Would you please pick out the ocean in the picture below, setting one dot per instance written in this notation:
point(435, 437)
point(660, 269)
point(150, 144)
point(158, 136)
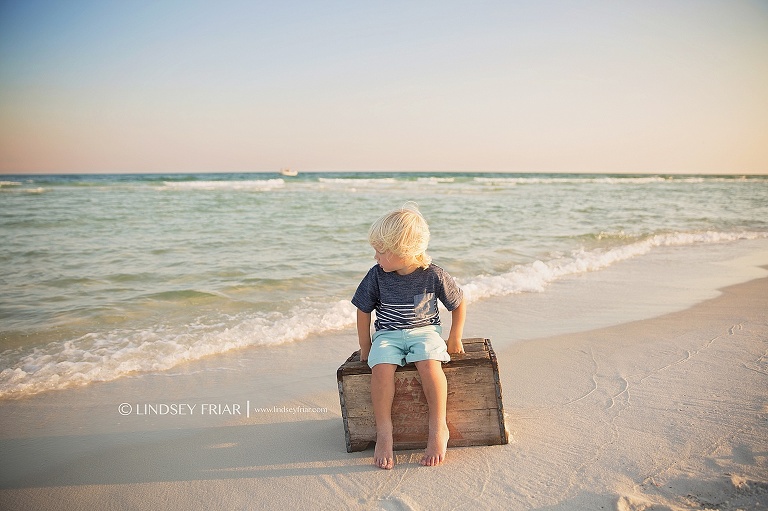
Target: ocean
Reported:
point(107, 276)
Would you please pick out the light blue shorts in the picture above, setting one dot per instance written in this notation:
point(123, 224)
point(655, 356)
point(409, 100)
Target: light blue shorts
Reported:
point(411, 345)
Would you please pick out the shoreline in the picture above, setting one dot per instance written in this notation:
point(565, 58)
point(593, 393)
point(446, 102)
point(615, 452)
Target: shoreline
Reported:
point(668, 410)
point(667, 279)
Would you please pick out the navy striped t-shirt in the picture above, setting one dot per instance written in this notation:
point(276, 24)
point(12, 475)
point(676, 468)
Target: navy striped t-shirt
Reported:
point(406, 301)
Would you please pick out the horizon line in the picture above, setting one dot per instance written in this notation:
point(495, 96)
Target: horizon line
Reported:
point(323, 171)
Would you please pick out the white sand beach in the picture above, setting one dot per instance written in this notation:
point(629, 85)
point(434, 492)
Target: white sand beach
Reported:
point(643, 410)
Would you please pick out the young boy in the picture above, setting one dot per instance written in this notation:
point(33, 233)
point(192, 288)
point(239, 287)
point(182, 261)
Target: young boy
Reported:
point(403, 289)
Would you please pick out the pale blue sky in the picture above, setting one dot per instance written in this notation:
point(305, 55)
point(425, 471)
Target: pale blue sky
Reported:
point(183, 86)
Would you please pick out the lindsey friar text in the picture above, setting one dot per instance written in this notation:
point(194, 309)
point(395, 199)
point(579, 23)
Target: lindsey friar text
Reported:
point(181, 409)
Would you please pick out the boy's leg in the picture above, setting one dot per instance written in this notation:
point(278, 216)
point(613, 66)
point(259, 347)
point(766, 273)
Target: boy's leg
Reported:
point(436, 391)
point(382, 395)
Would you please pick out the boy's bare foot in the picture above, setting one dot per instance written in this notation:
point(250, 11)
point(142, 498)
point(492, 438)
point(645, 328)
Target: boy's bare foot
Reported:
point(382, 454)
point(437, 444)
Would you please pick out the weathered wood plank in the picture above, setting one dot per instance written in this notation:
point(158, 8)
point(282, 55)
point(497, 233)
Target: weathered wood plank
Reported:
point(469, 388)
point(473, 427)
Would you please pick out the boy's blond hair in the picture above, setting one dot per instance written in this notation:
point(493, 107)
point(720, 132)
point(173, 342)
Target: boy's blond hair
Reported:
point(404, 232)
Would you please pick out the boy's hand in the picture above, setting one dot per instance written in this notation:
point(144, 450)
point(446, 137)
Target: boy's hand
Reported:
point(364, 354)
point(455, 346)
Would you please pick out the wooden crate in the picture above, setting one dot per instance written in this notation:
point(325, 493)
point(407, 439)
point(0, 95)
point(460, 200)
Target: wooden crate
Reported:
point(474, 410)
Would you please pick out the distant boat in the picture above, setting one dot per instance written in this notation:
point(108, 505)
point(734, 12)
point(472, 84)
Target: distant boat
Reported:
point(289, 172)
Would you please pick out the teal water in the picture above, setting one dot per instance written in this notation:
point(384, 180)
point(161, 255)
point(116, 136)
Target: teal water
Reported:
point(107, 275)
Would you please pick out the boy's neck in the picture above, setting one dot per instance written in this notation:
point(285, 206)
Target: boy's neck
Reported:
point(407, 271)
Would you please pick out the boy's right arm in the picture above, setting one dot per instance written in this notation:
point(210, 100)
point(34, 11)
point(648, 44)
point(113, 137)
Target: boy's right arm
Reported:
point(364, 333)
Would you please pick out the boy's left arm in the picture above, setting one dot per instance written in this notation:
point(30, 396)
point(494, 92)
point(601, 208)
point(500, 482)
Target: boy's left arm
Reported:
point(458, 315)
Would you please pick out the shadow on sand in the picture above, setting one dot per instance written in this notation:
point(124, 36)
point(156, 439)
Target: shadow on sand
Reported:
point(249, 451)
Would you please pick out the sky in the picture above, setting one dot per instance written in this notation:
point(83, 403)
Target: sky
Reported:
point(647, 86)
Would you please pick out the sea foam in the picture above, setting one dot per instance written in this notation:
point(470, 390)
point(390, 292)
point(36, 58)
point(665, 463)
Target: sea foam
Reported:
point(110, 355)
point(535, 276)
